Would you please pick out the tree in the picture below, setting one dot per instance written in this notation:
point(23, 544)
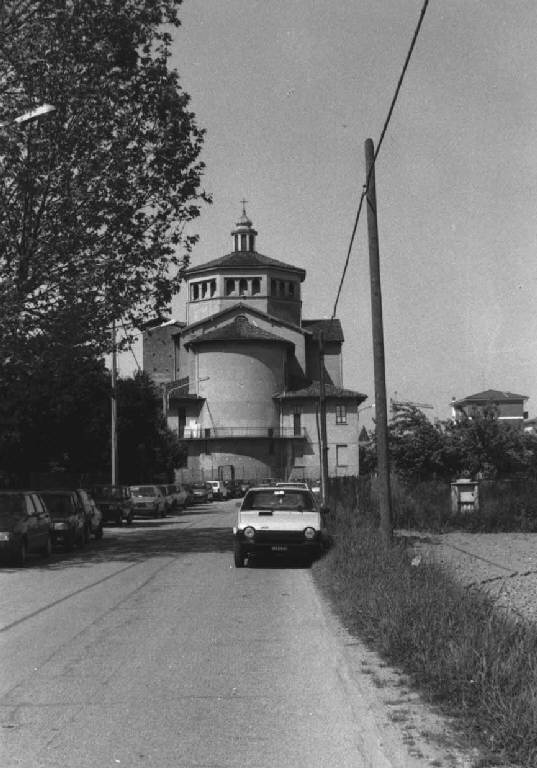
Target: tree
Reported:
point(95, 200)
point(61, 423)
point(148, 450)
point(485, 446)
point(416, 445)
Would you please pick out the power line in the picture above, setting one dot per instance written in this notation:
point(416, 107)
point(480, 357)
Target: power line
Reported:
point(379, 144)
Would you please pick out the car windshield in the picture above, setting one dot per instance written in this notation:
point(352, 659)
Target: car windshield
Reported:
point(106, 492)
point(143, 490)
point(58, 505)
point(278, 498)
point(11, 505)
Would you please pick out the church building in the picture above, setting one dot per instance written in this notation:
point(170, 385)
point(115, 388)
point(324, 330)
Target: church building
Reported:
point(240, 377)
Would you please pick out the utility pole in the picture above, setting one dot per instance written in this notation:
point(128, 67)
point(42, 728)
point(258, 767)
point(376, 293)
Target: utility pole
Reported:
point(322, 418)
point(381, 422)
point(113, 400)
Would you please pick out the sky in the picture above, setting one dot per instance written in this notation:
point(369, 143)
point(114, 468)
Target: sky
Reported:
point(289, 90)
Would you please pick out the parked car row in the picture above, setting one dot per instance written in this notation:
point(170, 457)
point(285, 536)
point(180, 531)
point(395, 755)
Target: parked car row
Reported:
point(34, 522)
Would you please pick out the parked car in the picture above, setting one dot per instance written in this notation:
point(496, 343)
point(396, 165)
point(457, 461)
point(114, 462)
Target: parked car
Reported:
point(180, 496)
point(244, 485)
point(219, 489)
point(315, 487)
point(233, 488)
point(202, 493)
point(189, 494)
point(115, 502)
point(168, 493)
point(93, 515)
point(25, 526)
point(274, 520)
point(149, 501)
point(68, 518)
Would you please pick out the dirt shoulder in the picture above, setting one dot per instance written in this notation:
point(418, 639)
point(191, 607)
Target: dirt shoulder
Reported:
point(502, 564)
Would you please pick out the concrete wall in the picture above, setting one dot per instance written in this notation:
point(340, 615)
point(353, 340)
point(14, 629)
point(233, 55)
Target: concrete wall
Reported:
point(158, 351)
point(238, 381)
point(342, 439)
point(252, 459)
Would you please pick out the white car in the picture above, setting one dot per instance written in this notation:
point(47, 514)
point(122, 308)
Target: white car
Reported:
point(219, 489)
point(148, 501)
point(276, 520)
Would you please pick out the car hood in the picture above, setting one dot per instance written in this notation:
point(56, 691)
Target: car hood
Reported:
point(280, 520)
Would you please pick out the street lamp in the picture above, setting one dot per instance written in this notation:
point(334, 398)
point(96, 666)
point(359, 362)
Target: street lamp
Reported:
point(31, 115)
point(35, 114)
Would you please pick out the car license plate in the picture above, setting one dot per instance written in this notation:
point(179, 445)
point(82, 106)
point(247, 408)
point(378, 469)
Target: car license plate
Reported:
point(278, 548)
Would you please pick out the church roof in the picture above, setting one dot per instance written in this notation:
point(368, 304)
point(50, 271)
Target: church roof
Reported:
point(243, 308)
point(314, 390)
point(244, 260)
point(241, 330)
point(331, 329)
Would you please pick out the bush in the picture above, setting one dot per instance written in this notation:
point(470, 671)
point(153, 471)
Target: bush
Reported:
point(505, 506)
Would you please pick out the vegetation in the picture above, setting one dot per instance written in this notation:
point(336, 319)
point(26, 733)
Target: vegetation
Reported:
point(482, 446)
point(61, 425)
point(477, 663)
point(96, 200)
point(95, 197)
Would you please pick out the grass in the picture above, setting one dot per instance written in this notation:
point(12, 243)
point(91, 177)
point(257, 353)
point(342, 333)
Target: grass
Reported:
point(478, 663)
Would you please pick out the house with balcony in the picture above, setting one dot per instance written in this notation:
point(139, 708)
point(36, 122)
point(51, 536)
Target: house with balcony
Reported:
point(241, 376)
point(507, 406)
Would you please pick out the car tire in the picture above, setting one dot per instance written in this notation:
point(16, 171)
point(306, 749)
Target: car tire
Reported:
point(47, 549)
point(239, 557)
point(22, 555)
point(130, 517)
point(99, 532)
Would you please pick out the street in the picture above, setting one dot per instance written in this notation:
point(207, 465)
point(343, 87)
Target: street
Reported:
point(151, 649)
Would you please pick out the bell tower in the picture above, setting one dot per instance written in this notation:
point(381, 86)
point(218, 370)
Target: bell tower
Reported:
point(244, 234)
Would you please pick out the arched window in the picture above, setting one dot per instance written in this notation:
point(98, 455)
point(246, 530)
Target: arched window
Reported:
point(230, 286)
point(195, 291)
point(203, 290)
point(256, 285)
point(243, 286)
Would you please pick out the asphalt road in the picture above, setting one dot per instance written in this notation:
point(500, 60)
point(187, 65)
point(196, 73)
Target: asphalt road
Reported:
point(151, 649)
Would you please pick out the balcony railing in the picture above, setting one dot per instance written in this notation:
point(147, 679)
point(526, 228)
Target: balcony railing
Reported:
point(216, 433)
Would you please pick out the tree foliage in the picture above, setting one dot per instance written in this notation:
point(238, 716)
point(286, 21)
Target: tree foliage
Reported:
point(95, 198)
point(61, 422)
point(482, 446)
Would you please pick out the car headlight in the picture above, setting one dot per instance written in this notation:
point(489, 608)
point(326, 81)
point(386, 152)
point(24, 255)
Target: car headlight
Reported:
point(309, 533)
point(249, 532)
point(60, 526)
point(4, 536)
